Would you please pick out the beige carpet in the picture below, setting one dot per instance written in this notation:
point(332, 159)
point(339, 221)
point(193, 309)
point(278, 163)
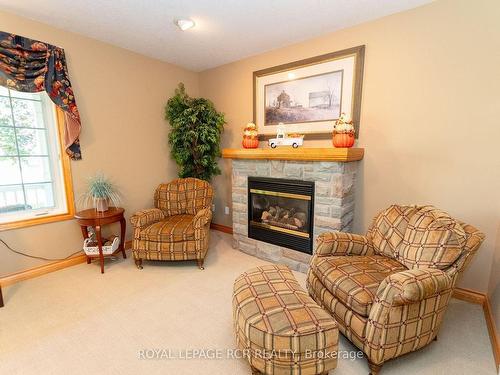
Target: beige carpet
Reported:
point(77, 321)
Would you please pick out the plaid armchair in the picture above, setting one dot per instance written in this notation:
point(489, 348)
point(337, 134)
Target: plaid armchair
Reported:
point(178, 227)
point(389, 290)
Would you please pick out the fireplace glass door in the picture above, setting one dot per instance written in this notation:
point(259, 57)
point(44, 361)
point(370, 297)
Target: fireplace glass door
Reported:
point(281, 212)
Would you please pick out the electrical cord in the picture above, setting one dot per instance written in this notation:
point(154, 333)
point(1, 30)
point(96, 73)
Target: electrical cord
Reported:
point(37, 257)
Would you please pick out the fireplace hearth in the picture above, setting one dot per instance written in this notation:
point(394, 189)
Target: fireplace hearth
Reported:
point(281, 212)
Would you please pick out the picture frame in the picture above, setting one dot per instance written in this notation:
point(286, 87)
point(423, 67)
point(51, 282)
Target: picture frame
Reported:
point(308, 95)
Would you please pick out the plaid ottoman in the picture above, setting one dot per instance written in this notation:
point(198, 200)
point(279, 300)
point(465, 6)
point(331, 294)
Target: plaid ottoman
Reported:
point(279, 327)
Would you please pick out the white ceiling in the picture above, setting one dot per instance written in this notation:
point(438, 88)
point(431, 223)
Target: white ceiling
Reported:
point(226, 30)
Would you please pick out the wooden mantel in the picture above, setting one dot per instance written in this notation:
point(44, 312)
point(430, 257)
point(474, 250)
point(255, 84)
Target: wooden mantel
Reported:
point(301, 153)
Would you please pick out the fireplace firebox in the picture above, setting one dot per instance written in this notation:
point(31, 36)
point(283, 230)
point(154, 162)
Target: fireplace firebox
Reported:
point(281, 212)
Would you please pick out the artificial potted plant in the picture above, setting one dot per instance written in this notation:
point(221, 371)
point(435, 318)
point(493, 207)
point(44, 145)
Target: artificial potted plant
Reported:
point(195, 133)
point(100, 192)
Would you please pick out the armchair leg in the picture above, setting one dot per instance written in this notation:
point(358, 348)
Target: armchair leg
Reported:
point(374, 369)
point(200, 263)
point(435, 338)
point(1, 297)
point(138, 263)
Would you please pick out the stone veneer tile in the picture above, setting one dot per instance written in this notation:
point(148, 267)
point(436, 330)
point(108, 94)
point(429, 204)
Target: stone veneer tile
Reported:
point(245, 166)
point(240, 229)
point(326, 166)
point(240, 207)
point(327, 222)
point(269, 252)
point(239, 181)
point(263, 170)
point(277, 166)
point(309, 166)
point(350, 167)
point(248, 248)
point(329, 200)
point(318, 176)
point(347, 209)
point(343, 184)
point(240, 190)
point(296, 255)
point(323, 189)
point(239, 198)
point(292, 170)
point(293, 264)
point(303, 267)
point(322, 210)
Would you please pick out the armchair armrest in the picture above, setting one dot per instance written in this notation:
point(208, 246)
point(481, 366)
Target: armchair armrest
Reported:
point(342, 243)
point(146, 217)
point(202, 218)
point(413, 285)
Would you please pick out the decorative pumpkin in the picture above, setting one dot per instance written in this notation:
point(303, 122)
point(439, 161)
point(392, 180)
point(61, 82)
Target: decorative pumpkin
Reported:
point(250, 142)
point(343, 139)
point(343, 132)
point(250, 136)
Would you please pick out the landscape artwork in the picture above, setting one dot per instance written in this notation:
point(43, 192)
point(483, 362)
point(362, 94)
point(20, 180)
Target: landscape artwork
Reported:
point(306, 96)
point(308, 99)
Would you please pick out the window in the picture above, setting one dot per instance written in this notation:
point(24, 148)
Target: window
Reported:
point(35, 181)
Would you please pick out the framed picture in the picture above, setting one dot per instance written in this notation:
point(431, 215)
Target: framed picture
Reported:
point(309, 95)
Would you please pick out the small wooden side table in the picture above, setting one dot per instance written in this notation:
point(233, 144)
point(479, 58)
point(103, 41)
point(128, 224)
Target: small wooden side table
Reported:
point(96, 219)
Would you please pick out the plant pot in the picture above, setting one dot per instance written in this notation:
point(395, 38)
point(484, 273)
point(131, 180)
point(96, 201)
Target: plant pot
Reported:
point(101, 204)
point(343, 139)
point(250, 142)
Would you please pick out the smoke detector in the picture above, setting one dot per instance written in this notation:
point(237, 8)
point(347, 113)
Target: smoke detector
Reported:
point(184, 24)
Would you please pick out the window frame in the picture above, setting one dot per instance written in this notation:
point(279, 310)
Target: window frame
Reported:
point(67, 183)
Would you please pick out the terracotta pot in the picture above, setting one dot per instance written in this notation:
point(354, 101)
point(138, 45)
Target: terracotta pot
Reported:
point(343, 139)
point(250, 142)
point(101, 204)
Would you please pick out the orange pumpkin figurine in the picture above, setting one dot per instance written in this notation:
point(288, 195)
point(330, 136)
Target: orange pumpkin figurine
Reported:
point(343, 132)
point(250, 136)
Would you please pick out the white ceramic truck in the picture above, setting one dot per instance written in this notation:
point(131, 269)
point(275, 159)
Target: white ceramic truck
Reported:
point(283, 140)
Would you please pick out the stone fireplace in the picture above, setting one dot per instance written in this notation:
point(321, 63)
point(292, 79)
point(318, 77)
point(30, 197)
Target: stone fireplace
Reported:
point(283, 199)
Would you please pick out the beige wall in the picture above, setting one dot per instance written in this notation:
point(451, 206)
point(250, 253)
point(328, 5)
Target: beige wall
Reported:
point(121, 96)
point(494, 287)
point(429, 115)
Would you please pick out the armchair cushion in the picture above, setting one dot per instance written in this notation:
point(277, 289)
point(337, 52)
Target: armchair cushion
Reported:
point(183, 196)
point(433, 240)
point(172, 229)
point(146, 217)
point(412, 286)
point(388, 229)
point(354, 280)
point(341, 243)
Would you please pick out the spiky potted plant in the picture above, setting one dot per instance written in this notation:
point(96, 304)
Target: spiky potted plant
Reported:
point(100, 192)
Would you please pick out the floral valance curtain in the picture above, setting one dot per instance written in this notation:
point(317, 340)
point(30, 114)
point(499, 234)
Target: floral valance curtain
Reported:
point(28, 65)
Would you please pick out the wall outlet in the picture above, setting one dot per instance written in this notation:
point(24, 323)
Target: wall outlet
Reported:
point(226, 210)
point(213, 207)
